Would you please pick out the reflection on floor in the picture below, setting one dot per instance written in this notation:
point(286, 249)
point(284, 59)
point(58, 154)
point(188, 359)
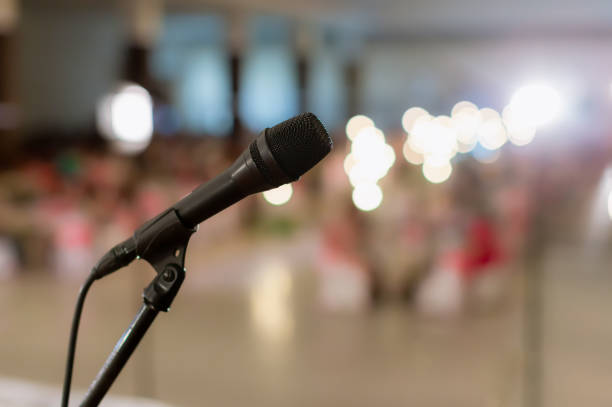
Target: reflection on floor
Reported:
point(214, 349)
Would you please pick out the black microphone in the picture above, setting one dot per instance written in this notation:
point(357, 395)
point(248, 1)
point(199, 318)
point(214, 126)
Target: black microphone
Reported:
point(279, 155)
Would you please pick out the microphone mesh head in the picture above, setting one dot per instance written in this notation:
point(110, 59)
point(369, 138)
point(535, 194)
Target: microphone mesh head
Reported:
point(299, 143)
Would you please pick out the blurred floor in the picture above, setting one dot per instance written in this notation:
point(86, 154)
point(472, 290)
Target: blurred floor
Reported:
point(206, 351)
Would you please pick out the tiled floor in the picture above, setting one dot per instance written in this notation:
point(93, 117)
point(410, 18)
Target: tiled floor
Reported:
point(209, 351)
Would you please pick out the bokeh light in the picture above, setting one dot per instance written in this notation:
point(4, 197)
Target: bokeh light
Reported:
point(356, 124)
point(466, 119)
point(536, 104)
point(492, 133)
point(125, 117)
point(367, 197)
point(410, 117)
point(610, 205)
point(280, 195)
point(437, 172)
point(410, 155)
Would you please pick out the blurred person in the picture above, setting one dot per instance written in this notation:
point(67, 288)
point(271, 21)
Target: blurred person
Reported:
point(469, 268)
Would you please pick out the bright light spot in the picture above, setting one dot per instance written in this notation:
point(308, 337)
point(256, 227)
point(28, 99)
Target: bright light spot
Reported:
point(437, 172)
point(486, 113)
point(369, 141)
point(610, 205)
point(519, 132)
point(367, 197)
point(126, 118)
point(280, 195)
point(410, 155)
point(419, 136)
point(270, 301)
point(492, 134)
point(465, 148)
point(462, 106)
point(389, 156)
point(132, 114)
point(356, 124)
point(442, 138)
point(349, 163)
point(410, 117)
point(466, 121)
point(536, 104)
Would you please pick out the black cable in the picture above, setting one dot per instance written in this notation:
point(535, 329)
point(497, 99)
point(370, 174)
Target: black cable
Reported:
point(73, 337)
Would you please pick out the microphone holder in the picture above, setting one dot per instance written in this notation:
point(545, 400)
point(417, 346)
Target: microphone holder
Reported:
point(162, 242)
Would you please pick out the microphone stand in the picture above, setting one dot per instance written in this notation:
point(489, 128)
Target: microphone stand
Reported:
point(162, 242)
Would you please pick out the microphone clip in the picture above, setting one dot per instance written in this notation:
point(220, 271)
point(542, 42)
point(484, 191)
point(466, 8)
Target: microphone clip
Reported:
point(162, 242)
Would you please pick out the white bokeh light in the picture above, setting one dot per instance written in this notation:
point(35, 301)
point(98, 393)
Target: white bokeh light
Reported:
point(280, 195)
point(466, 118)
point(132, 114)
point(410, 116)
point(492, 134)
point(367, 197)
point(437, 172)
point(410, 155)
point(356, 124)
point(536, 104)
point(125, 118)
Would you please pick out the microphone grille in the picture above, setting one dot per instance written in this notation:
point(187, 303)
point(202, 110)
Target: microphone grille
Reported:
point(299, 143)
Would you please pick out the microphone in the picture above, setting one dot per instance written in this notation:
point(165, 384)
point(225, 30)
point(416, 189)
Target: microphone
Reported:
point(278, 155)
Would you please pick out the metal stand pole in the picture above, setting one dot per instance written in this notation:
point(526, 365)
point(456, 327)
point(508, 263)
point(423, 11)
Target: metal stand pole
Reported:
point(162, 243)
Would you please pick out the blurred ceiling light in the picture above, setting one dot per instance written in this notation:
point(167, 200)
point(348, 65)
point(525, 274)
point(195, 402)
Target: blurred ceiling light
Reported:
point(419, 136)
point(410, 116)
point(466, 119)
point(436, 172)
point(465, 147)
point(367, 197)
point(356, 124)
point(519, 133)
point(349, 163)
point(371, 157)
point(279, 196)
point(367, 142)
point(486, 113)
point(125, 117)
point(462, 106)
point(442, 139)
point(410, 155)
point(492, 134)
point(536, 104)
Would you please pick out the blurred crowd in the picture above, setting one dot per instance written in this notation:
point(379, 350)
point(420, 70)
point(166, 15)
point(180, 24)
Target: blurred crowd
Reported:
point(442, 247)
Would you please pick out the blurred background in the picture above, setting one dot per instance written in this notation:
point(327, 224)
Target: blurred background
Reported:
point(451, 250)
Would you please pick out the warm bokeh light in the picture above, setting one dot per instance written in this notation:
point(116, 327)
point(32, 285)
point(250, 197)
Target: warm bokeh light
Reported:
point(462, 106)
point(280, 195)
point(410, 117)
point(492, 133)
point(536, 104)
point(466, 118)
point(610, 205)
point(441, 141)
point(410, 155)
point(132, 114)
point(437, 172)
point(356, 124)
point(519, 132)
point(367, 197)
point(125, 117)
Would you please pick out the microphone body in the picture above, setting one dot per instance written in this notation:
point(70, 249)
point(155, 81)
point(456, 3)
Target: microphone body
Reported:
point(274, 158)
